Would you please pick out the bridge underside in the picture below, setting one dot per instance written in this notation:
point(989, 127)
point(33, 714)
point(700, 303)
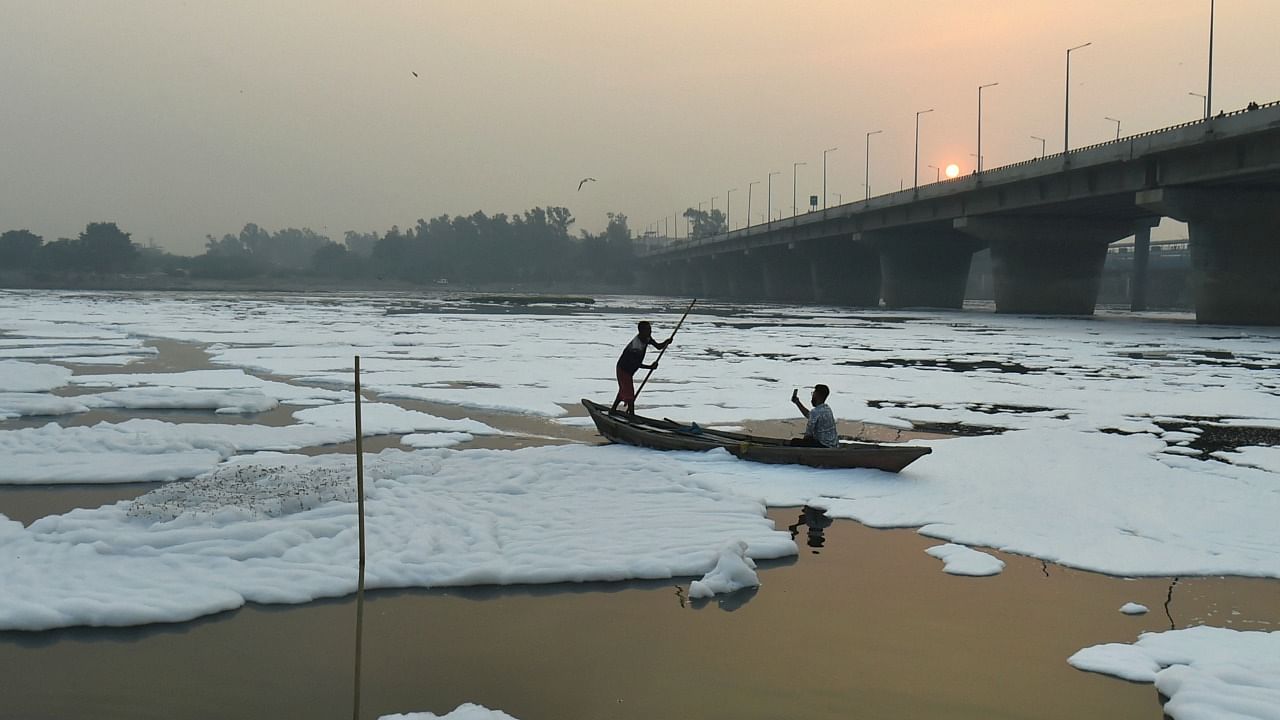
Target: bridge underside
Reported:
point(835, 271)
point(923, 267)
point(1046, 265)
point(1235, 250)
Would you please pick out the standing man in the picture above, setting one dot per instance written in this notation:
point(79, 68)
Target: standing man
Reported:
point(631, 360)
point(821, 430)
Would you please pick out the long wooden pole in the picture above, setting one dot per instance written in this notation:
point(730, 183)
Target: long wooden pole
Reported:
point(355, 710)
point(663, 350)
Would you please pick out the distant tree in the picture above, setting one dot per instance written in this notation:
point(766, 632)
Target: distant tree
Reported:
point(334, 260)
point(389, 258)
point(61, 256)
point(17, 248)
point(608, 256)
point(224, 266)
point(359, 243)
point(292, 248)
point(705, 224)
point(617, 232)
point(228, 257)
point(544, 244)
point(107, 248)
point(255, 240)
point(227, 246)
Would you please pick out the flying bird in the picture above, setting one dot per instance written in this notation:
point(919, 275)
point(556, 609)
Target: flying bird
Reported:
point(414, 73)
point(584, 181)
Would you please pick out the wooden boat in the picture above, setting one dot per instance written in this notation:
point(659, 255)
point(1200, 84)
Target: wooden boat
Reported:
point(646, 432)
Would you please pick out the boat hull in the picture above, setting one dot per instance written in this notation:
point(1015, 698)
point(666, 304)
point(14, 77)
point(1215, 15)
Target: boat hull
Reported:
point(668, 435)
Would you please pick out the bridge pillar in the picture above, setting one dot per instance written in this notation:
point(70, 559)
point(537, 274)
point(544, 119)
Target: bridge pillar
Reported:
point(1046, 265)
point(745, 275)
point(712, 276)
point(786, 273)
point(1235, 250)
point(923, 267)
point(680, 279)
point(660, 279)
point(1141, 263)
point(843, 272)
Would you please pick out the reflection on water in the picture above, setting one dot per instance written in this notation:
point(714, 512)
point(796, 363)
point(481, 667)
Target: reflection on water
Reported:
point(727, 602)
point(874, 612)
point(815, 521)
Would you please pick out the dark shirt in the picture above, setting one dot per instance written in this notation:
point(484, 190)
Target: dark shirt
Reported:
point(632, 356)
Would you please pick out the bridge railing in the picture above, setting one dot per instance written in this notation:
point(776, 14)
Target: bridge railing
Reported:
point(694, 242)
point(1109, 142)
point(1117, 141)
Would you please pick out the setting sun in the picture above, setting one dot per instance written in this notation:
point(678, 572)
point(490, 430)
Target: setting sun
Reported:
point(953, 170)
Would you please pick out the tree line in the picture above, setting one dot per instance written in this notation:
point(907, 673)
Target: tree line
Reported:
point(534, 246)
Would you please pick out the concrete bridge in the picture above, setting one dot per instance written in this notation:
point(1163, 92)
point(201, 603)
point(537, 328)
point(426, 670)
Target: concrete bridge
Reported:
point(1046, 222)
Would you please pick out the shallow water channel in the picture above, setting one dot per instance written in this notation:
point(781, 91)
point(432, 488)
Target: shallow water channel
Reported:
point(862, 625)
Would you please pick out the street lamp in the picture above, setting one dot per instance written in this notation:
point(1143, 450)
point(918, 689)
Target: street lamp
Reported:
point(1037, 137)
point(1208, 98)
point(1066, 105)
point(1117, 122)
point(727, 224)
point(937, 175)
point(769, 204)
point(980, 87)
point(915, 167)
point(793, 186)
point(753, 182)
point(1205, 99)
point(866, 180)
point(824, 175)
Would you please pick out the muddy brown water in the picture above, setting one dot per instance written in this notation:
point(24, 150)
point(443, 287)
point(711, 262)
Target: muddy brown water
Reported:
point(868, 627)
point(861, 623)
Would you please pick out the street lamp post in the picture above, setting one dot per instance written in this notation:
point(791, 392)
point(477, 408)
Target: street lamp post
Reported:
point(769, 204)
point(866, 179)
point(1066, 105)
point(753, 182)
point(1117, 122)
point(824, 175)
point(793, 186)
point(1205, 100)
point(980, 87)
point(1208, 97)
point(727, 224)
point(915, 167)
point(937, 175)
point(1037, 137)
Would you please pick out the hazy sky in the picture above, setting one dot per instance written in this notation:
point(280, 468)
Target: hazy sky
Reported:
point(181, 119)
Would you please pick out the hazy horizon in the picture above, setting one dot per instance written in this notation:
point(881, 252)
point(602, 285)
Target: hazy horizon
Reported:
point(178, 120)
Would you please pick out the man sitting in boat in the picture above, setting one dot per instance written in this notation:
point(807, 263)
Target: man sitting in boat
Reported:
point(631, 360)
point(821, 430)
